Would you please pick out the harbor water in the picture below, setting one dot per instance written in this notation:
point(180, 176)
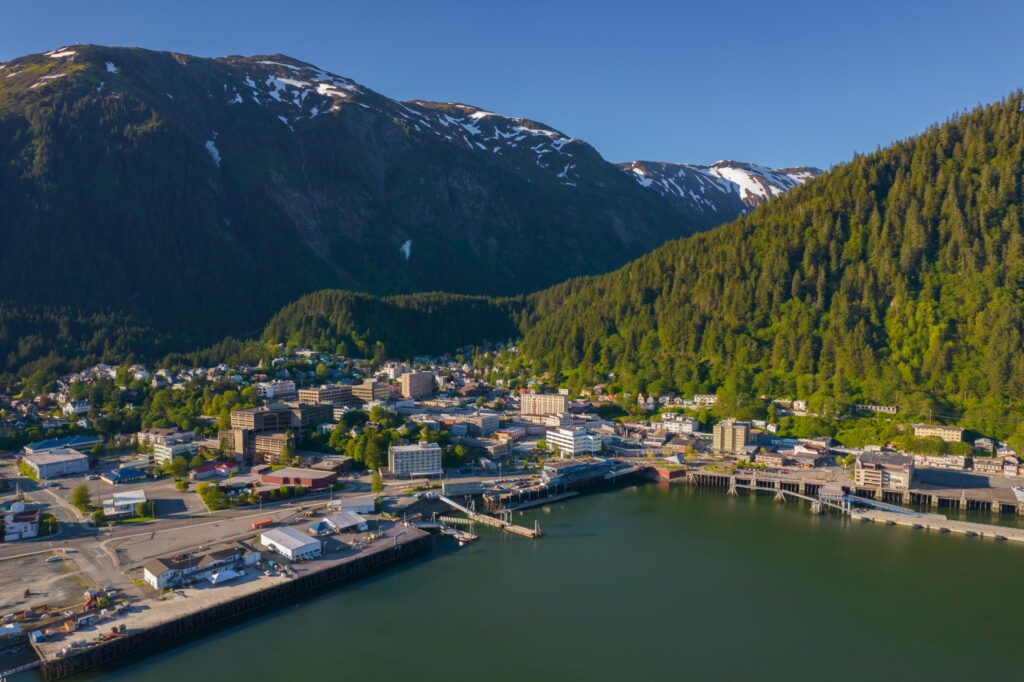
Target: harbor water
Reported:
point(645, 582)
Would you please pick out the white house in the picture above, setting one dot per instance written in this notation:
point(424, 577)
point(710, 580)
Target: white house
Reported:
point(20, 523)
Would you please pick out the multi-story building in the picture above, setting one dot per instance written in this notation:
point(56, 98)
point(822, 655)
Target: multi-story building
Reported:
point(269, 447)
point(371, 390)
point(276, 390)
point(58, 462)
point(988, 465)
point(543, 403)
point(422, 459)
point(730, 436)
point(276, 418)
point(338, 394)
point(481, 423)
point(951, 462)
point(950, 434)
point(884, 470)
point(685, 425)
point(573, 442)
point(168, 449)
point(394, 370)
point(416, 385)
point(162, 435)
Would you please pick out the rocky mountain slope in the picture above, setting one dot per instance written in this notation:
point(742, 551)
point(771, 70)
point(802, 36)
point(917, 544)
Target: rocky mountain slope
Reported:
point(200, 195)
point(724, 189)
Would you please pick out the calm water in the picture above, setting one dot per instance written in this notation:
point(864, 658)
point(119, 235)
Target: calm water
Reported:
point(644, 583)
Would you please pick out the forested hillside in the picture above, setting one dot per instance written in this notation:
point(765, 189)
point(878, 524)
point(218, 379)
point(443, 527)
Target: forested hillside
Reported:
point(201, 195)
point(360, 325)
point(896, 278)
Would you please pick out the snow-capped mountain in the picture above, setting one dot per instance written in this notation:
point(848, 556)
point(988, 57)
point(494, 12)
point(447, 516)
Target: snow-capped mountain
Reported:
point(191, 184)
point(724, 187)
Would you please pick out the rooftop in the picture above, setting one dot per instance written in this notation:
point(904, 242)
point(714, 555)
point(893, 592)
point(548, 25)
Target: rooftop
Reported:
point(885, 459)
point(55, 455)
point(65, 442)
point(296, 472)
point(288, 537)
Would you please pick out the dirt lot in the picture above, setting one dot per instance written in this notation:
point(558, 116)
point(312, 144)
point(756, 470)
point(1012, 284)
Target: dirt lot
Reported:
point(57, 584)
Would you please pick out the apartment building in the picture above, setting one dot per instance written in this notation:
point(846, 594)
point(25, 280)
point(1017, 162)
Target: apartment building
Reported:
point(730, 436)
point(950, 434)
point(422, 459)
point(539, 404)
point(416, 385)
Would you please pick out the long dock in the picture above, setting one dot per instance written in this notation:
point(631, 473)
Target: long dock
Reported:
point(851, 504)
point(940, 523)
point(488, 520)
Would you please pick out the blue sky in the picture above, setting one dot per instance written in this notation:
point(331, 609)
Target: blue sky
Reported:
point(781, 83)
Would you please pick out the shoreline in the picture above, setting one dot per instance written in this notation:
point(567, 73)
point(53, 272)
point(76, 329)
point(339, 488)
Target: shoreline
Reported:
point(147, 628)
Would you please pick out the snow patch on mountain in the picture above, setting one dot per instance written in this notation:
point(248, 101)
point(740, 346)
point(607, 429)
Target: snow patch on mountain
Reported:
point(501, 135)
point(211, 147)
point(46, 79)
point(111, 68)
point(716, 188)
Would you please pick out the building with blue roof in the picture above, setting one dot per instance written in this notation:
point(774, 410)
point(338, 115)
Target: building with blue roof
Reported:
point(79, 442)
point(123, 475)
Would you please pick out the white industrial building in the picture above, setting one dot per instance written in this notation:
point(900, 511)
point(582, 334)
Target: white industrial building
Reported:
point(291, 543)
point(360, 504)
point(58, 462)
point(346, 521)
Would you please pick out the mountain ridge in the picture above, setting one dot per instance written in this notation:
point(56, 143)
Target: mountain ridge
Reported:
point(200, 195)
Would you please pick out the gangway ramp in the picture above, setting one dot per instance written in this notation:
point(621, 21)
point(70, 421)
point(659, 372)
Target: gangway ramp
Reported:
point(489, 520)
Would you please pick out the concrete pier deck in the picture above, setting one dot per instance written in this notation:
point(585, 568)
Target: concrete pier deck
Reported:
point(942, 524)
point(156, 614)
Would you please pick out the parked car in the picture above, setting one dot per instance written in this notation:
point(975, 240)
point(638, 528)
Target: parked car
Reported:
point(53, 559)
point(92, 477)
